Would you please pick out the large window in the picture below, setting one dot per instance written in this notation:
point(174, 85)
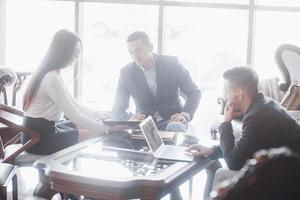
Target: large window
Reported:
point(104, 31)
point(290, 3)
point(272, 30)
point(208, 36)
point(30, 27)
point(207, 40)
point(218, 1)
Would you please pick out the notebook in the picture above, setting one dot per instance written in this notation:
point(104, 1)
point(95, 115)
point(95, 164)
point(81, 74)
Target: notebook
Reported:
point(156, 144)
point(129, 124)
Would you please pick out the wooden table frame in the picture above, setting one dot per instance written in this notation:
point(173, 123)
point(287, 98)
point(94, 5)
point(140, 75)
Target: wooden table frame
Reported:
point(55, 178)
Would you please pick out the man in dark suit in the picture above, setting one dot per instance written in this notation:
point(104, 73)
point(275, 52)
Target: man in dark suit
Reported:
point(266, 124)
point(155, 82)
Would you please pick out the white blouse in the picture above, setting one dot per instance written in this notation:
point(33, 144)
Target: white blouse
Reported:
point(53, 99)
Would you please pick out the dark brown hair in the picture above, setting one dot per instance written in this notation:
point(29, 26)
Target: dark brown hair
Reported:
point(59, 55)
point(139, 35)
point(244, 77)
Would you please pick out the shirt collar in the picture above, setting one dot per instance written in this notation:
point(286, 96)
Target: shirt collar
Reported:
point(153, 64)
point(256, 99)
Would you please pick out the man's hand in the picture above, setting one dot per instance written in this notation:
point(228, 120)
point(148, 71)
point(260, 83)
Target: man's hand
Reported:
point(137, 117)
point(177, 117)
point(231, 112)
point(228, 112)
point(237, 114)
point(199, 150)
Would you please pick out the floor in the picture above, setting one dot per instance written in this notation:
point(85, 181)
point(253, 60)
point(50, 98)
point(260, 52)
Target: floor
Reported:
point(28, 179)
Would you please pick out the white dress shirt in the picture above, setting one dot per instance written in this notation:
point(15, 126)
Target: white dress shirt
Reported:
point(53, 99)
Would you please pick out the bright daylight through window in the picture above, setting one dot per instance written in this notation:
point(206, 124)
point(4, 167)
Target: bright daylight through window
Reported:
point(207, 37)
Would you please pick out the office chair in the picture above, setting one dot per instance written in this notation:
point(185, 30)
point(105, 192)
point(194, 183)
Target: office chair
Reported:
point(287, 57)
point(11, 151)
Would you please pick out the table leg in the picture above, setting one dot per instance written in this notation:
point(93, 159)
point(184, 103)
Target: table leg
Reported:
point(210, 171)
point(191, 188)
point(44, 191)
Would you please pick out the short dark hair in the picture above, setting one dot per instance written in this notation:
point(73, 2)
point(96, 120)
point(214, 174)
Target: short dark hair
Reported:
point(243, 76)
point(139, 35)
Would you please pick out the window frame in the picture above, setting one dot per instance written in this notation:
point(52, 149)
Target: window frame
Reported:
point(251, 7)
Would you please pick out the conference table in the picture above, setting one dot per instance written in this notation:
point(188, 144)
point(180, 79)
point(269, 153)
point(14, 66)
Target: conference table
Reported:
point(97, 171)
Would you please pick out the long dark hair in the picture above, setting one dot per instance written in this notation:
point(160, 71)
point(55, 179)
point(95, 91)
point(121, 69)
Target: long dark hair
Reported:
point(59, 55)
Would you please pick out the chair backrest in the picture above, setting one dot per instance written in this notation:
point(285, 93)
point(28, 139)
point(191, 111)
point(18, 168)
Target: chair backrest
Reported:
point(6, 77)
point(287, 57)
point(12, 119)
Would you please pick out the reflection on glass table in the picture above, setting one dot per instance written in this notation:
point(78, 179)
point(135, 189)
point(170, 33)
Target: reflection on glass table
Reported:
point(95, 171)
point(113, 164)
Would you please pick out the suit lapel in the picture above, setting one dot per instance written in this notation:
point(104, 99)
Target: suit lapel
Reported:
point(159, 77)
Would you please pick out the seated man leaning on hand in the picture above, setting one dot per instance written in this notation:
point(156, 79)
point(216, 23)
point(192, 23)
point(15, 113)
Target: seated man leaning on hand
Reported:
point(154, 81)
point(266, 124)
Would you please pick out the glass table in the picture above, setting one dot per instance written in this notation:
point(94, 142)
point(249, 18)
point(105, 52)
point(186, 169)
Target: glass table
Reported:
point(96, 171)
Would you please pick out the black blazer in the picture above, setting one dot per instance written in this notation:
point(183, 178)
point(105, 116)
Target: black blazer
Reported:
point(171, 77)
point(266, 125)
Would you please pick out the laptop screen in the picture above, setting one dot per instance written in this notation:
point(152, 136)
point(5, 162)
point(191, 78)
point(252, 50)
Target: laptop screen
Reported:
point(151, 133)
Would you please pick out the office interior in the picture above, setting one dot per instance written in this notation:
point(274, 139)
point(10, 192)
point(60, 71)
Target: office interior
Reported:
point(207, 36)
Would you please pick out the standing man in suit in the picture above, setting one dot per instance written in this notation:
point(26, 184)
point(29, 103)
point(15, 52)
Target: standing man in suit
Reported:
point(154, 82)
point(266, 124)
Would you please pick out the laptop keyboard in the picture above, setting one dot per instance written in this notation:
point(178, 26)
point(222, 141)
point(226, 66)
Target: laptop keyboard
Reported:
point(174, 153)
point(172, 150)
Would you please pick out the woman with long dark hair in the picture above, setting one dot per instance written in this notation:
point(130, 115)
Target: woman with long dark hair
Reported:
point(47, 98)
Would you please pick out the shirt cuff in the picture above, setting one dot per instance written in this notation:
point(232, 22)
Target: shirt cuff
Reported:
point(186, 115)
point(217, 152)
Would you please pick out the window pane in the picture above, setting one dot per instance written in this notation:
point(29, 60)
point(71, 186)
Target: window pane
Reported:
point(30, 27)
point(217, 1)
point(272, 30)
point(207, 40)
point(290, 3)
point(105, 28)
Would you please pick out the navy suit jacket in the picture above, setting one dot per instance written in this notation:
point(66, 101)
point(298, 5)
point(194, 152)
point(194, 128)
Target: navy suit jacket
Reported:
point(171, 77)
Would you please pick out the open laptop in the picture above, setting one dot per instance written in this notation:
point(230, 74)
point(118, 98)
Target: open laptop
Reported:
point(156, 144)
